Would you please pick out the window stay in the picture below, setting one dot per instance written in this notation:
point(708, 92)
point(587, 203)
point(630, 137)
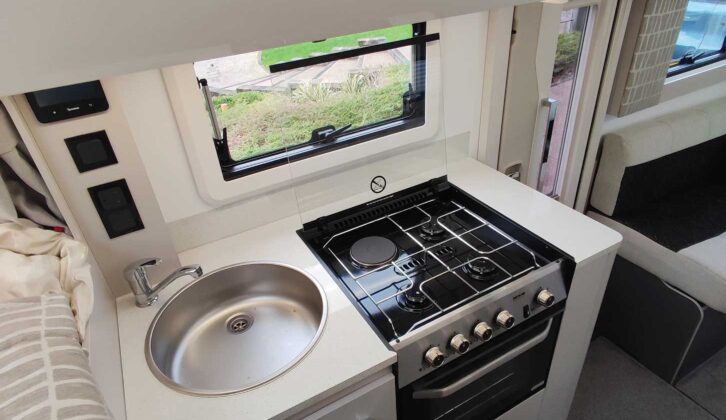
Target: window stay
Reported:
point(339, 55)
point(220, 136)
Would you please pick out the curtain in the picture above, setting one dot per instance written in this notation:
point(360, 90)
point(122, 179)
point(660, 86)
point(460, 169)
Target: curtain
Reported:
point(23, 193)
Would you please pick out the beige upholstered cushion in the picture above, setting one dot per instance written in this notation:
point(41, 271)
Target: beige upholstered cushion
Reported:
point(650, 140)
point(44, 372)
point(698, 270)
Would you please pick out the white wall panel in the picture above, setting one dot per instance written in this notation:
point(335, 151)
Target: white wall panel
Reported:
point(103, 345)
point(191, 219)
point(673, 105)
point(155, 131)
point(51, 43)
point(112, 255)
point(463, 42)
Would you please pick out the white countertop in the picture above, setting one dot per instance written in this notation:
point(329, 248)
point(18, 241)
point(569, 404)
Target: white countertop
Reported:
point(348, 350)
point(571, 231)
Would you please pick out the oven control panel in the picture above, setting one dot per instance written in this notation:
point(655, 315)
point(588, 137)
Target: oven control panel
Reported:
point(465, 329)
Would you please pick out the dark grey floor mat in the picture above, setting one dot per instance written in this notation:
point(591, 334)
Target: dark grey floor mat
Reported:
point(615, 386)
point(707, 385)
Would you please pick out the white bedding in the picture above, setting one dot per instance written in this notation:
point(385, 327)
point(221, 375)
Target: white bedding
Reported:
point(37, 261)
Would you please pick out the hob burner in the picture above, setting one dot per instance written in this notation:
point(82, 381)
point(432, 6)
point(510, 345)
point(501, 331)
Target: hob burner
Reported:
point(373, 251)
point(414, 300)
point(480, 268)
point(432, 231)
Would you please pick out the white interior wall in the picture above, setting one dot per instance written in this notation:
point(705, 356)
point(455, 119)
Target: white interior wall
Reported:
point(193, 221)
point(685, 101)
point(463, 50)
point(112, 255)
point(50, 44)
point(154, 129)
point(103, 345)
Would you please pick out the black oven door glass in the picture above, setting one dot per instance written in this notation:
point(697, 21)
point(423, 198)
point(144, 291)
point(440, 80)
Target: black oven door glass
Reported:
point(488, 382)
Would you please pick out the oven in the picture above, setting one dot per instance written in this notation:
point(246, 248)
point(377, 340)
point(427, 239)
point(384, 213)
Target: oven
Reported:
point(470, 302)
point(491, 379)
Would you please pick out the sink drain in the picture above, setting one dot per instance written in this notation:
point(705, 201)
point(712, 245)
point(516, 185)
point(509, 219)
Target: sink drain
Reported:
point(237, 324)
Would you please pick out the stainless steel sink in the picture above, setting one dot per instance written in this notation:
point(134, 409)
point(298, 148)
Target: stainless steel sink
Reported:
point(235, 328)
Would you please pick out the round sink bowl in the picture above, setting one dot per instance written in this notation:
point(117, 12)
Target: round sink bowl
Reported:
point(235, 328)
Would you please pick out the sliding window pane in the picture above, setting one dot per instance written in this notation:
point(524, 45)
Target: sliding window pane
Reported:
point(703, 30)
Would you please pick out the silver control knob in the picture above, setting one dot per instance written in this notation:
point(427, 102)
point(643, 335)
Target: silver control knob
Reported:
point(483, 331)
point(459, 343)
point(545, 298)
point(505, 319)
point(434, 357)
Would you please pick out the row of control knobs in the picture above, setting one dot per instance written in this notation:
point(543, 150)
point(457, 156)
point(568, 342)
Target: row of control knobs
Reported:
point(482, 331)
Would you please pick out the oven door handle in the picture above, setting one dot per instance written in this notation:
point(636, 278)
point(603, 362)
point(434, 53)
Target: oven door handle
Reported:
point(425, 394)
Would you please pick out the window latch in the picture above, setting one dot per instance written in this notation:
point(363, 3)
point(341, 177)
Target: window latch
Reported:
point(411, 99)
point(327, 134)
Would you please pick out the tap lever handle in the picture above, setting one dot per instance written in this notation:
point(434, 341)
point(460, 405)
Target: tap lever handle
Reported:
point(139, 266)
point(148, 262)
point(144, 262)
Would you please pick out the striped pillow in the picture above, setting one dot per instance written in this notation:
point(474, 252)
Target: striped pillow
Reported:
point(44, 373)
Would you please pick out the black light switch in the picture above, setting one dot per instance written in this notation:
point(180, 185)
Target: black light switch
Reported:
point(123, 220)
point(112, 198)
point(116, 207)
point(91, 151)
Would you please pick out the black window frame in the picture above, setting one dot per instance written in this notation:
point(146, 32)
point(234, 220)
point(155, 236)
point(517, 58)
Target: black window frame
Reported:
point(413, 115)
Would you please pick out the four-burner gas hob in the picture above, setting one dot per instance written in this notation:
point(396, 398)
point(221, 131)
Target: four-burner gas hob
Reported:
point(453, 287)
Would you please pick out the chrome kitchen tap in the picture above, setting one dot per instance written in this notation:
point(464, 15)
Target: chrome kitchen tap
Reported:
point(138, 280)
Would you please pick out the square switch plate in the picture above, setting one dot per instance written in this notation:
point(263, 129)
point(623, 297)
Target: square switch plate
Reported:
point(116, 208)
point(91, 151)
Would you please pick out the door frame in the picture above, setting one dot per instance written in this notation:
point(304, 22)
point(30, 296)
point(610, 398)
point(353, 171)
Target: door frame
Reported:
point(586, 117)
point(600, 26)
point(496, 62)
point(589, 165)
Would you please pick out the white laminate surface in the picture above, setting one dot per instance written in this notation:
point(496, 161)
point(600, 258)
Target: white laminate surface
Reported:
point(572, 232)
point(346, 352)
point(348, 349)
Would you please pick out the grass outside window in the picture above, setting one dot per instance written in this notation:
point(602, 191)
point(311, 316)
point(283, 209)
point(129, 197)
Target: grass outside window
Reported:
point(368, 95)
point(261, 122)
point(306, 49)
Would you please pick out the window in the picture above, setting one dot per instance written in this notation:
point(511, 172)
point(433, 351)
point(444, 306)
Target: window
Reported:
point(305, 99)
point(702, 39)
point(566, 77)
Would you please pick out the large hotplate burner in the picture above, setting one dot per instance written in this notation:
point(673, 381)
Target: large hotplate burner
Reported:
point(373, 251)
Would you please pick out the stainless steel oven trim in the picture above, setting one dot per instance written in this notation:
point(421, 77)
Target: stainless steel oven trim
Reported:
point(450, 389)
point(482, 302)
point(511, 297)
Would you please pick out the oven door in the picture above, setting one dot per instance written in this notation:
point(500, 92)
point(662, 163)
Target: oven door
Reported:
point(487, 382)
